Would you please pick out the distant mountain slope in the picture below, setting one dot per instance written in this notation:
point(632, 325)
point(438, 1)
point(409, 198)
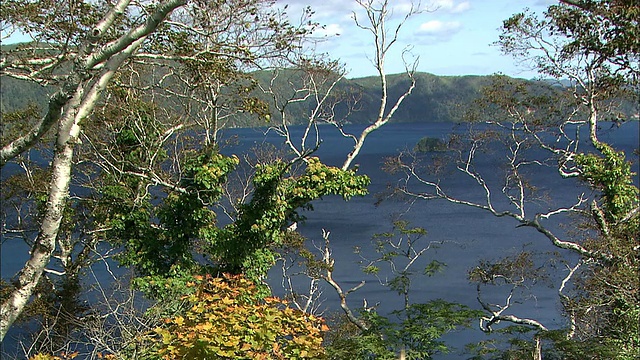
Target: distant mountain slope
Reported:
point(435, 98)
point(16, 94)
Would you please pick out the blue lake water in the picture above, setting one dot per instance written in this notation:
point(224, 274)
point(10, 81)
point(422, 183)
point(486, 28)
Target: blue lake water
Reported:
point(467, 234)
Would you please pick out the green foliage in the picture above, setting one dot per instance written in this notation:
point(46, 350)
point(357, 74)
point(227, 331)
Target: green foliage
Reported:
point(227, 320)
point(187, 222)
point(371, 269)
point(612, 289)
point(416, 329)
point(600, 33)
point(434, 267)
point(399, 249)
point(611, 174)
point(513, 343)
point(606, 28)
point(575, 349)
point(183, 216)
point(168, 288)
point(247, 245)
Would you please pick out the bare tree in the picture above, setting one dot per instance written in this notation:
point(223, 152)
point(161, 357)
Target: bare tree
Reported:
point(318, 90)
point(538, 129)
point(376, 18)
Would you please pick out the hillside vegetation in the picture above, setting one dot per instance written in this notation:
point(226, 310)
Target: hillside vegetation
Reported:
point(435, 98)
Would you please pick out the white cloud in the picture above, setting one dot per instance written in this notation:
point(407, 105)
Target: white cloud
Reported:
point(436, 31)
point(437, 27)
point(442, 4)
point(400, 7)
point(321, 9)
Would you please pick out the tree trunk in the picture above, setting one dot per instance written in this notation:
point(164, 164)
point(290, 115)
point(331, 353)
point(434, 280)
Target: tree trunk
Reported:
point(537, 351)
point(45, 243)
point(88, 88)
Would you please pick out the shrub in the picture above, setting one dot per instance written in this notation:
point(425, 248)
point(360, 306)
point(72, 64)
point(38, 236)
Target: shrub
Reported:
point(228, 320)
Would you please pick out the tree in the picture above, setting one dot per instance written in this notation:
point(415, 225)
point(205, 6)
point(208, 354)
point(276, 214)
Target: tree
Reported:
point(377, 16)
point(374, 17)
point(371, 334)
point(584, 46)
point(80, 49)
point(318, 89)
point(68, 107)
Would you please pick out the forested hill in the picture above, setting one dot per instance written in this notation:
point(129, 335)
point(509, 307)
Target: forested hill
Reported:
point(434, 99)
point(16, 94)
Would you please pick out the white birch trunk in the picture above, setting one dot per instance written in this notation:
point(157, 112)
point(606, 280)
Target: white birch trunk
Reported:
point(79, 107)
point(46, 241)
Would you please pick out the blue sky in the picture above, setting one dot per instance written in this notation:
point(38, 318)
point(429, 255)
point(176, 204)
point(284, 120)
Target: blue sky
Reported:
point(453, 38)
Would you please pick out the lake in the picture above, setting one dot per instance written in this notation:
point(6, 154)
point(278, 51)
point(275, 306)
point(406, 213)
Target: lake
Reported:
point(467, 235)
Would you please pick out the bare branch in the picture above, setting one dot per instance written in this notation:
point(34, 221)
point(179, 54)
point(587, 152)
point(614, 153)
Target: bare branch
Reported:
point(17, 146)
point(328, 277)
point(497, 315)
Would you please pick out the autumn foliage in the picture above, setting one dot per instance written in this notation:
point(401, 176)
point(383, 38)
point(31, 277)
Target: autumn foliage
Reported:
point(227, 320)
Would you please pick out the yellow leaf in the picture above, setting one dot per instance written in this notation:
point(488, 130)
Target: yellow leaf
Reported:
point(179, 321)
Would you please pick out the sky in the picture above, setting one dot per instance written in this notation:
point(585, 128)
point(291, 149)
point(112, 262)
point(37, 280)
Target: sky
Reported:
point(453, 37)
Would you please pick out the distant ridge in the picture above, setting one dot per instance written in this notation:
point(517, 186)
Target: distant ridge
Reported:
point(434, 99)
